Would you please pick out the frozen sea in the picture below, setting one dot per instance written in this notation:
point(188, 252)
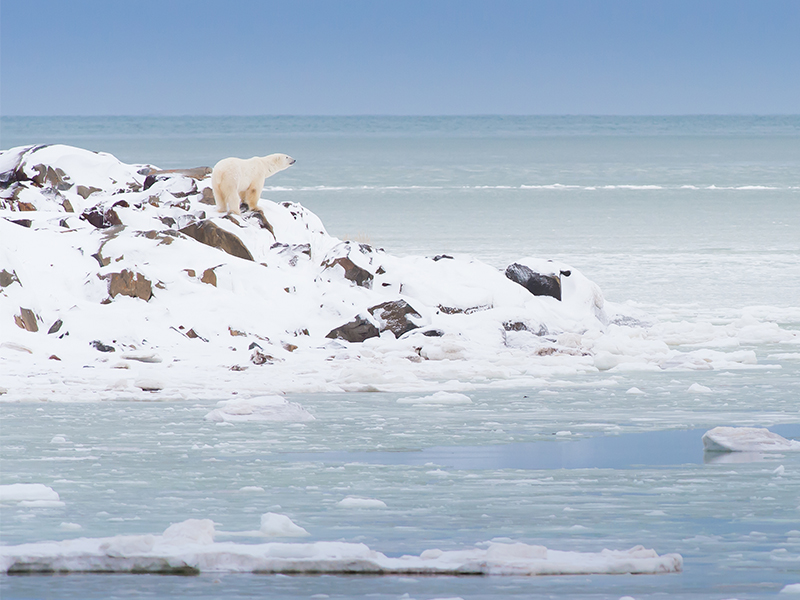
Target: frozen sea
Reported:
point(692, 220)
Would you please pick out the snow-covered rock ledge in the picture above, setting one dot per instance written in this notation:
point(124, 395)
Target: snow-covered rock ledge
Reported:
point(123, 281)
point(189, 548)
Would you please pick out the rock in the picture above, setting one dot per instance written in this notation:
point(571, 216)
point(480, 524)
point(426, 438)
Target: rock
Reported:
point(536, 283)
point(101, 218)
point(354, 264)
point(128, 284)
point(6, 278)
point(149, 385)
point(85, 191)
point(192, 334)
point(454, 310)
point(259, 358)
point(22, 222)
point(26, 320)
point(395, 316)
point(210, 234)
point(101, 347)
point(194, 172)
point(357, 330)
point(208, 197)
point(209, 277)
point(55, 327)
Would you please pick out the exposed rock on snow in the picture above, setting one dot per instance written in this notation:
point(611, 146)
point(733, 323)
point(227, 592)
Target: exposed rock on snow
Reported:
point(357, 330)
point(189, 548)
point(211, 234)
point(538, 284)
point(396, 316)
point(747, 439)
point(129, 284)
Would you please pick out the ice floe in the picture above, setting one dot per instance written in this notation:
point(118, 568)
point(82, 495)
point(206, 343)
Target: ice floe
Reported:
point(34, 495)
point(747, 439)
point(353, 502)
point(189, 547)
point(268, 408)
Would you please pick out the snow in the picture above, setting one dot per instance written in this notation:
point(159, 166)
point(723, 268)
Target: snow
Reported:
point(218, 326)
point(189, 547)
point(747, 439)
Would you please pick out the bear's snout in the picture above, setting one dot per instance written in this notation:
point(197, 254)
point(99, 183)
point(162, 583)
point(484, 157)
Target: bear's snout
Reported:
point(292, 161)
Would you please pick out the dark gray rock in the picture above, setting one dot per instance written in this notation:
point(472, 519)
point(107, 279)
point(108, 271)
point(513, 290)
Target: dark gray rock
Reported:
point(536, 283)
point(357, 330)
point(101, 347)
point(395, 316)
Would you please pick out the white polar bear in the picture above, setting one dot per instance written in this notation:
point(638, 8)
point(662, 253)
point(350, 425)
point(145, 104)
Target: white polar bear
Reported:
point(236, 180)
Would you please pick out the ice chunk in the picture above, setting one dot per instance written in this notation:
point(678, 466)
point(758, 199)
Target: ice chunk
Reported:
point(275, 525)
point(266, 408)
point(188, 547)
point(437, 398)
point(747, 439)
point(30, 494)
point(351, 502)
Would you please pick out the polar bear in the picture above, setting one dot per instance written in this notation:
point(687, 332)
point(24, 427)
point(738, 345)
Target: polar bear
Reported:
point(236, 180)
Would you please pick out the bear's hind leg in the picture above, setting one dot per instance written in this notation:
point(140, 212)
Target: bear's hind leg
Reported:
point(252, 195)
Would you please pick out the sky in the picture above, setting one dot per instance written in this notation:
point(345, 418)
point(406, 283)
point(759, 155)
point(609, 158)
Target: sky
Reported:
point(401, 57)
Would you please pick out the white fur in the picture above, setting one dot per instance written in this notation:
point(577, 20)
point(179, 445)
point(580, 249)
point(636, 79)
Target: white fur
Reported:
point(236, 180)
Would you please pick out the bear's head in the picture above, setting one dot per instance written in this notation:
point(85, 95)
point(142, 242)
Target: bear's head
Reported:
point(278, 162)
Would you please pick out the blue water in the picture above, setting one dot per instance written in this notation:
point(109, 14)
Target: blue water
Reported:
point(690, 218)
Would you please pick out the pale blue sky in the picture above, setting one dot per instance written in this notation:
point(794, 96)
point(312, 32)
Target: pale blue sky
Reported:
point(239, 57)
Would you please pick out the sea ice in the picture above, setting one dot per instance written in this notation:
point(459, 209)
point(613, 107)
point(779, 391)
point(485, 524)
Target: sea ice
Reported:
point(29, 494)
point(268, 408)
point(747, 439)
point(189, 547)
point(352, 502)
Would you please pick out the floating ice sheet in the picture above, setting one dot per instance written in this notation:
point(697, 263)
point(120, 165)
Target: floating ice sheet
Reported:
point(188, 548)
point(747, 439)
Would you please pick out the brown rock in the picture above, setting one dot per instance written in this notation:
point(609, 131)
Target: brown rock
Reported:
point(352, 272)
point(209, 277)
point(86, 191)
point(208, 197)
point(26, 320)
point(7, 278)
point(210, 234)
point(128, 284)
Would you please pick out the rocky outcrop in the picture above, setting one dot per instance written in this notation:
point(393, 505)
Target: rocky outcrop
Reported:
point(126, 283)
point(396, 316)
point(357, 261)
point(537, 284)
point(26, 319)
point(357, 330)
point(211, 234)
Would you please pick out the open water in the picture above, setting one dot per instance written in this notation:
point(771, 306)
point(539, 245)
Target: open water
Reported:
point(694, 220)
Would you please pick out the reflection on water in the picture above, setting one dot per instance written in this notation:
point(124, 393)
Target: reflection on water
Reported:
point(649, 449)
